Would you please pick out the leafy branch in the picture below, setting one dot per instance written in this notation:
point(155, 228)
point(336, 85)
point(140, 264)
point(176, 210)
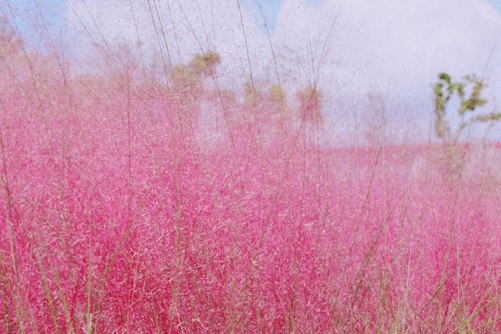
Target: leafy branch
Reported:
point(469, 92)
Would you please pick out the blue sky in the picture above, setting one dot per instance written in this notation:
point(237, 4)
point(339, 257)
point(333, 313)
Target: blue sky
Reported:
point(497, 4)
point(50, 10)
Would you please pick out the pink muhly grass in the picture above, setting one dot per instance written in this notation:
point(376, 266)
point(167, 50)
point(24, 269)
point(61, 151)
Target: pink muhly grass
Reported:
point(119, 214)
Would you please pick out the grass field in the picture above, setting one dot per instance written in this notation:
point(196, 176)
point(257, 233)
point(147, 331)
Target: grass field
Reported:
point(133, 206)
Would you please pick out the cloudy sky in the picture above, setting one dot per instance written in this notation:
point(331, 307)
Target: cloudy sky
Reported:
point(388, 50)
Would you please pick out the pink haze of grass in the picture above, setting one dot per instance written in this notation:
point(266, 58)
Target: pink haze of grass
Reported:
point(132, 207)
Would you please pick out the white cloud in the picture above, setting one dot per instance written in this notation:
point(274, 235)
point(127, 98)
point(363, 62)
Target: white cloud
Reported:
point(390, 47)
point(394, 48)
